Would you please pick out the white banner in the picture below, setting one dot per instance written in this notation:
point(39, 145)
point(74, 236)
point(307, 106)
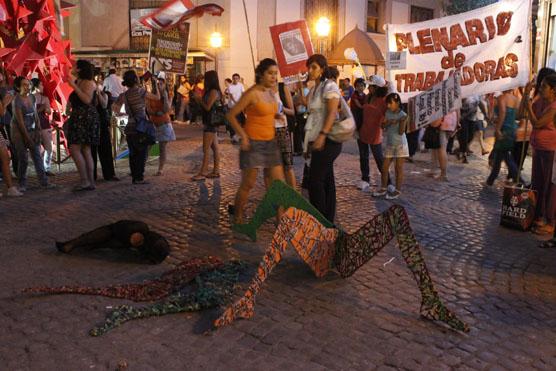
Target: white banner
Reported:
point(489, 46)
point(435, 103)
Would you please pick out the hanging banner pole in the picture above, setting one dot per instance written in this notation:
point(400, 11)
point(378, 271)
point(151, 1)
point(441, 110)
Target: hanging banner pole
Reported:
point(249, 34)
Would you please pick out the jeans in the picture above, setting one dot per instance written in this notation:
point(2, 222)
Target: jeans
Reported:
point(322, 186)
point(497, 157)
point(46, 136)
point(23, 160)
point(376, 149)
point(138, 152)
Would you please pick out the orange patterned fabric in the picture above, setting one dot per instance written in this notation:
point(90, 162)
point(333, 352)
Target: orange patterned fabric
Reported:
point(314, 243)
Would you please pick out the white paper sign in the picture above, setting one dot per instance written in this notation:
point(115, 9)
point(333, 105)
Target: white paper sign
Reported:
point(435, 103)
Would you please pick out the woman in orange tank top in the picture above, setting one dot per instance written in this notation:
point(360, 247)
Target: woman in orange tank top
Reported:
point(159, 114)
point(259, 149)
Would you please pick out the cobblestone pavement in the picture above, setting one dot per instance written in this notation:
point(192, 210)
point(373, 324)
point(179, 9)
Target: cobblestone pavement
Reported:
point(496, 279)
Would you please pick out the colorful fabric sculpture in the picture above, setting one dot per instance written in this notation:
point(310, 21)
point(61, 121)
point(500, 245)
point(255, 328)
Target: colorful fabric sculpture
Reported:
point(193, 285)
point(325, 249)
point(200, 284)
point(178, 11)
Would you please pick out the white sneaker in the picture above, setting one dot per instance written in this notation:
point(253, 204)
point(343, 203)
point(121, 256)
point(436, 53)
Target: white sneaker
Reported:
point(22, 189)
point(379, 192)
point(363, 185)
point(393, 195)
point(14, 192)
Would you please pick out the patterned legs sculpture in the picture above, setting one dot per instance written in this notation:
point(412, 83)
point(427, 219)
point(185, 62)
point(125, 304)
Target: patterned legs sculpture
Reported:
point(324, 249)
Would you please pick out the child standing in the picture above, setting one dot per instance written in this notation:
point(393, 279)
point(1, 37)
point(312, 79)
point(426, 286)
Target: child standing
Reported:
point(396, 147)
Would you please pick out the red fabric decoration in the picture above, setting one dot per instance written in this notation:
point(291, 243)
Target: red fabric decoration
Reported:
point(177, 11)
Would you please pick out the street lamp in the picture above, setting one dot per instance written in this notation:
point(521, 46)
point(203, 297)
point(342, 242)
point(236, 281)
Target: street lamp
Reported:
point(322, 29)
point(216, 41)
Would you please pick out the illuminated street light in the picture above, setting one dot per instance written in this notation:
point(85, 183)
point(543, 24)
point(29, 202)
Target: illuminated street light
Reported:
point(322, 27)
point(216, 40)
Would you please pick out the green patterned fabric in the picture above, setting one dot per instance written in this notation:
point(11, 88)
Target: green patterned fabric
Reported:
point(279, 194)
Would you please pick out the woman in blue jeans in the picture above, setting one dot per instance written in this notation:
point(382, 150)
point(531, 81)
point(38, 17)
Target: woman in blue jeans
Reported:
point(370, 132)
point(508, 104)
point(25, 134)
point(135, 105)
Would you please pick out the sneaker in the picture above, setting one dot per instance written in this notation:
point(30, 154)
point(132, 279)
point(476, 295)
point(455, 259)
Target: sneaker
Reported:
point(363, 186)
point(391, 188)
point(14, 192)
point(393, 195)
point(22, 189)
point(379, 192)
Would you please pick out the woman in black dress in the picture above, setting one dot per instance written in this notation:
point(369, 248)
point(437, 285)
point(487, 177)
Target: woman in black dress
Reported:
point(83, 123)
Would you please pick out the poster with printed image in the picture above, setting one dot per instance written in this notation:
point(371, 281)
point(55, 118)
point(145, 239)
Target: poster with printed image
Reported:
point(168, 50)
point(292, 44)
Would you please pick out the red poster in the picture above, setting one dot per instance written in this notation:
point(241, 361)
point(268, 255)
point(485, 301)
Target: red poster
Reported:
point(292, 44)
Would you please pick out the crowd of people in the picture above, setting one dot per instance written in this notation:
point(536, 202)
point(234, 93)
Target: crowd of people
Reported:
point(272, 122)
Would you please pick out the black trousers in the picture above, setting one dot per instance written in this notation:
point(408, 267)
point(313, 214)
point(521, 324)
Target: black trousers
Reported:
point(465, 135)
point(413, 142)
point(299, 133)
point(138, 152)
point(516, 153)
point(104, 152)
point(322, 185)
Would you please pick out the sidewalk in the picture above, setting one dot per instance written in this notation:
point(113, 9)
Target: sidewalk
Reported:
point(496, 279)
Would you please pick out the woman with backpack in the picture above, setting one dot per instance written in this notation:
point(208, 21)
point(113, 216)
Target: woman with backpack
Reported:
point(212, 106)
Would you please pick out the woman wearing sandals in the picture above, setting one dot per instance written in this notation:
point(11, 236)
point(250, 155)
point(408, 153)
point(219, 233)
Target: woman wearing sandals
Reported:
point(83, 124)
point(211, 98)
point(258, 144)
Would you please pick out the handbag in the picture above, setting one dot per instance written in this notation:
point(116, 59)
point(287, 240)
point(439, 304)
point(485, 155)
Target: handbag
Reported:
point(143, 126)
point(343, 129)
point(432, 137)
point(518, 207)
point(218, 113)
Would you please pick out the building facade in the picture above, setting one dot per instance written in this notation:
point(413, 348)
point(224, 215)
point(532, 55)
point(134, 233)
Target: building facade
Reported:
point(106, 31)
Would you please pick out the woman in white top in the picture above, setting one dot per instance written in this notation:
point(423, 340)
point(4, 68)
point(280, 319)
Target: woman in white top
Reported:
point(323, 102)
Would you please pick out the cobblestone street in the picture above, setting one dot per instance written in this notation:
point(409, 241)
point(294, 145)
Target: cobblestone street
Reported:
point(495, 279)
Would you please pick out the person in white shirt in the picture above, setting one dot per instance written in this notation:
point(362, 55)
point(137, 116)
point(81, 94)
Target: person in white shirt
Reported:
point(113, 86)
point(234, 93)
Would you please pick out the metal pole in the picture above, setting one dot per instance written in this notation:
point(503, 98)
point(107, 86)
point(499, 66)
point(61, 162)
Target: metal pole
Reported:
point(58, 153)
point(249, 34)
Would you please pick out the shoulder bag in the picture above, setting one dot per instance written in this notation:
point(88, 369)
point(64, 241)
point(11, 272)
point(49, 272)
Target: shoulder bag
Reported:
point(143, 126)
